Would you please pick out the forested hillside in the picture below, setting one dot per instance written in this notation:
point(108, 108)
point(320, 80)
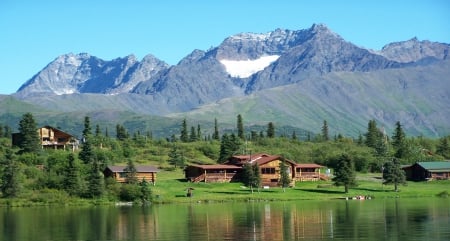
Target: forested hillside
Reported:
point(28, 172)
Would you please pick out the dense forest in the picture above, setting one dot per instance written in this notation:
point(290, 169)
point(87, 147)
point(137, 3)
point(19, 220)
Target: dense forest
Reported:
point(27, 171)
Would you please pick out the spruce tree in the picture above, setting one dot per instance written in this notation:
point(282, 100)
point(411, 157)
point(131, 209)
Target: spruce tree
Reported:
point(285, 179)
point(10, 181)
point(443, 148)
point(325, 135)
point(71, 182)
point(240, 127)
point(184, 132)
point(344, 173)
point(216, 130)
point(29, 136)
point(176, 158)
point(193, 135)
point(373, 134)
point(87, 153)
point(131, 172)
point(399, 141)
point(393, 173)
point(270, 130)
point(95, 180)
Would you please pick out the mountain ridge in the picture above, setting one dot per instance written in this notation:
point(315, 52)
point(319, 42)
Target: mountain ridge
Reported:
point(248, 64)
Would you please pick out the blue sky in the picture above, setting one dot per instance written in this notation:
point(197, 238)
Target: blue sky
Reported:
point(35, 32)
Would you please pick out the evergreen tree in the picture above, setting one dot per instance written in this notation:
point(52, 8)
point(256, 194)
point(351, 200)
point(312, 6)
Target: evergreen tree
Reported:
point(29, 136)
point(199, 132)
point(216, 130)
point(251, 176)
point(176, 158)
point(229, 145)
point(193, 135)
point(10, 182)
point(121, 132)
point(146, 192)
point(344, 173)
point(443, 148)
point(285, 179)
point(71, 182)
point(240, 127)
point(97, 130)
point(270, 130)
point(399, 141)
point(131, 172)
point(294, 136)
point(393, 173)
point(95, 181)
point(226, 149)
point(184, 132)
point(325, 135)
point(373, 134)
point(87, 153)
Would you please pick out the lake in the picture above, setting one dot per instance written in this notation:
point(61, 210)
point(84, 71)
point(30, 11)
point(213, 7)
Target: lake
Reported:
point(376, 219)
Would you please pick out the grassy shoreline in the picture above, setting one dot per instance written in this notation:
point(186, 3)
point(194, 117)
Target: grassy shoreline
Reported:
point(171, 189)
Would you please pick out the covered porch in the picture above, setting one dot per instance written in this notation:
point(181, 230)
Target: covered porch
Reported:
point(211, 173)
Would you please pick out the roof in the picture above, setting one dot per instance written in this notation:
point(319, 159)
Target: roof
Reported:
point(216, 166)
point(260, 159)
point(138, 168)
point(435, 166)
point(57, 130)
point(308, 165)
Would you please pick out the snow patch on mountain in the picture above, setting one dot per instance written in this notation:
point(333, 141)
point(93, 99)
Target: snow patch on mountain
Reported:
point(245, 68)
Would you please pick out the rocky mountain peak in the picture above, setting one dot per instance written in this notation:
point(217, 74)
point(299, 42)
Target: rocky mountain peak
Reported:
point(413, 50)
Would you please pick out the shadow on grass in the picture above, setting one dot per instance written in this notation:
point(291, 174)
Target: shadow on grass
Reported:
point(371, 189)
point(321, 191)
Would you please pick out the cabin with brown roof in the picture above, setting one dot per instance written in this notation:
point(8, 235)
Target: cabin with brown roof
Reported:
point(119, 174)
point(51, 138)
point(212, 173)
point(269, 167)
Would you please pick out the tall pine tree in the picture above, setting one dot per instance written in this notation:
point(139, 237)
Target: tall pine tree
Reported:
point(240, 127)
point(393, 173)
point(29, 141)
point(325, 134)
point(344, 173)
point(87, 153)
point(184, 132)
point(270, 130)
point(399, 141)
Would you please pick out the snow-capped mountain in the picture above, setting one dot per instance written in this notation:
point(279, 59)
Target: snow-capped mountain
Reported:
point(248, 64)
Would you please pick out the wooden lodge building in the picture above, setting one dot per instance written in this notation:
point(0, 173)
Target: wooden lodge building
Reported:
point(51, 138)
point(269, 167)
point(427, 171)
point(118, 173)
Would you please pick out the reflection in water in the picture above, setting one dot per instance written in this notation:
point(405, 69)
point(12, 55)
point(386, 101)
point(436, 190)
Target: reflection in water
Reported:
point(393, 219)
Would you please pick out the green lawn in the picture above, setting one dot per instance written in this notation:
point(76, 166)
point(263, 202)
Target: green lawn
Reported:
point(171, 188)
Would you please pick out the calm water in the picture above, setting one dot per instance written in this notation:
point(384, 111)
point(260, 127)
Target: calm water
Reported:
point(401, 219)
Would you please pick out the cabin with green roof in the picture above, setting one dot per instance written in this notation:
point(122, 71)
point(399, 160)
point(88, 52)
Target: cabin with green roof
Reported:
point(427, 171)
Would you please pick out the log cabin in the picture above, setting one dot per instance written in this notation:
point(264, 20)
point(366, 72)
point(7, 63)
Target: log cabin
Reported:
point(51, 138)
point(118, 173)
point(427, 171)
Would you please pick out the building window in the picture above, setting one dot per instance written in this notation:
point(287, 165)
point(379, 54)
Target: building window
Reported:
point(269, 170)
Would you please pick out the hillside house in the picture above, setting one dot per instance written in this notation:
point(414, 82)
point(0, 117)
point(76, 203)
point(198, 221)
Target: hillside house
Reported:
point(427, 171)
point(51, 138)
point(119, 174)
